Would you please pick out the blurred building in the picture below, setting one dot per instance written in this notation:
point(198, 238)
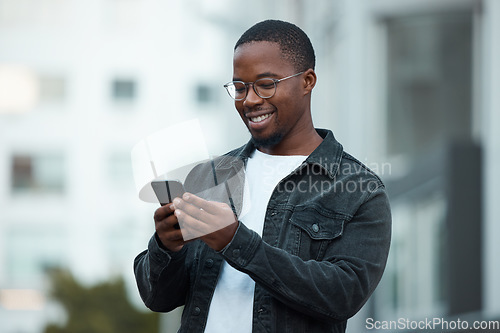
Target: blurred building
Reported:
point(411, 88)
point(80, 83)
point(407, 86)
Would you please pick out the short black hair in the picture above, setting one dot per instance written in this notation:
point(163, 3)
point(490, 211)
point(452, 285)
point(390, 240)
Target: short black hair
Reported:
point(293, 41)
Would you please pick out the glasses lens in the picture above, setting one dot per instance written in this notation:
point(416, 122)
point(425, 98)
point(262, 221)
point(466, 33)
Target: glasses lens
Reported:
point(236, 90)
point(265, 87)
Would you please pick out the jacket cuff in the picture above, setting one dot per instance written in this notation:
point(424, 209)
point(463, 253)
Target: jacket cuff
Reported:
point(242, 247)
point(162, 255)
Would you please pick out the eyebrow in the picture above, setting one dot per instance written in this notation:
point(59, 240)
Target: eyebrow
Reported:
point(259, 76)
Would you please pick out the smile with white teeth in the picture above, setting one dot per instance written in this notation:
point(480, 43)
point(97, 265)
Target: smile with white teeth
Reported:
point(260, 118)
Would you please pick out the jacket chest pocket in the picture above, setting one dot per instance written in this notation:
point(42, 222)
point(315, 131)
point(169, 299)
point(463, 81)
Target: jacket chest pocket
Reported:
point(312, 232)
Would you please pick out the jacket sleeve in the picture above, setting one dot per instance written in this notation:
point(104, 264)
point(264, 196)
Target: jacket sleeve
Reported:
point(334, 288)
point(162, 277)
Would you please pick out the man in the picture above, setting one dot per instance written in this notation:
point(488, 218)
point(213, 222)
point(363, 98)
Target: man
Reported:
point(307, 243)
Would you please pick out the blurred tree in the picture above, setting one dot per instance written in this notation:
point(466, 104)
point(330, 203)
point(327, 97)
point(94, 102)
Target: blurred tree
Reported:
point(102, 308)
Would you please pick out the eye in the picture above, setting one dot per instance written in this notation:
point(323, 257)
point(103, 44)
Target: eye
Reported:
point(265, 83)
point(239, 87)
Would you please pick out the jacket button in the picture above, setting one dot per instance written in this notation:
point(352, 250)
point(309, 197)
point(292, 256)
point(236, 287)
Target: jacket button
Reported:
point(315, 227)
point(196, 311)
point(209, 263)
point(236, 253)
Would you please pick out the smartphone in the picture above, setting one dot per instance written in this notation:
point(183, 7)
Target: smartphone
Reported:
point(167, 190)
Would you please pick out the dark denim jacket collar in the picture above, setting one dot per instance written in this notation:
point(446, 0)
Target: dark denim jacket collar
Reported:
point(329, 147)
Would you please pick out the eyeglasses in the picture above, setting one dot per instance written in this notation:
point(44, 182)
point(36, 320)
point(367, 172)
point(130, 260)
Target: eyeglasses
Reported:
point(264, 88)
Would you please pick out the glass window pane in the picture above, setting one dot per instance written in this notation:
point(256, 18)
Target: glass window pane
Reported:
point(120, 170)
point(204, 94)
point(52, 89)
point(30, 251)
point(37, 173)
point(430, 81)
point(124, 90)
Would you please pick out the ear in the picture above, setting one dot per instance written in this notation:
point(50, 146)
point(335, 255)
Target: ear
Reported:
point(309, 80)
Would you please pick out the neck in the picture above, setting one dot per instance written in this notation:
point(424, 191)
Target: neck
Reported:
point(303, 143)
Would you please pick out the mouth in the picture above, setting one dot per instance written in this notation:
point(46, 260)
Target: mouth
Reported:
point(258, 122)
point(258, 119)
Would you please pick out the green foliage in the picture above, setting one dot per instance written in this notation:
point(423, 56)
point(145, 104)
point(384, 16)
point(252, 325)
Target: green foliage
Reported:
point(102, 308)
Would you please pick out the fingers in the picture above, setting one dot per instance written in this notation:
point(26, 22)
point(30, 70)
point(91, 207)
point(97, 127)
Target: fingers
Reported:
point(163, 212)
point(172, 236)
point(199, 217)
point(165, 220)
point(172, 240)
point(184, 208)
point(191, 226)
point(210, 207)
point(169, 235)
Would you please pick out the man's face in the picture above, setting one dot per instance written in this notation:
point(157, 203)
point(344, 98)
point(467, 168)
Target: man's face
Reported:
point(271, 120)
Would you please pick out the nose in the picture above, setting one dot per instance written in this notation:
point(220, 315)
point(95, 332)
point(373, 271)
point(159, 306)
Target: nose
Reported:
point(252, 98)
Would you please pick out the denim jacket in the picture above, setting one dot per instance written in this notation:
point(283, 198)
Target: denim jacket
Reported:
point(322, 252)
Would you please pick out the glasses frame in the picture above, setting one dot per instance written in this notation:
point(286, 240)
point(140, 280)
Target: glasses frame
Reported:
point(246, 84)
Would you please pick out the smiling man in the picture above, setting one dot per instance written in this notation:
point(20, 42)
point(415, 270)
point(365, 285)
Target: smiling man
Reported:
point(279, 120)
point(305, 238)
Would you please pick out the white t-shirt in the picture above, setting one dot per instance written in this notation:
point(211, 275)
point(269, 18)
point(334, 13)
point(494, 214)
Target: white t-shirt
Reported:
point(231, 309)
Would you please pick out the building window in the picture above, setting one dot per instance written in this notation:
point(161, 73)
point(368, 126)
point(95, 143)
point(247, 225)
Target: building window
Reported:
point(429, 62)
point(124, 90)
point(123, 14)
point(204, 94)
point(18, 88)
point(120, 170)
point(52, 89)
point(31, 251)
point(34, 13)
point(429, 81)
point(37, 174)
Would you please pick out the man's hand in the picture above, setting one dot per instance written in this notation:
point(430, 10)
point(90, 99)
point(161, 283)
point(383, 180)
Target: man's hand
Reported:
point(167, 228)
point(213, 222)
